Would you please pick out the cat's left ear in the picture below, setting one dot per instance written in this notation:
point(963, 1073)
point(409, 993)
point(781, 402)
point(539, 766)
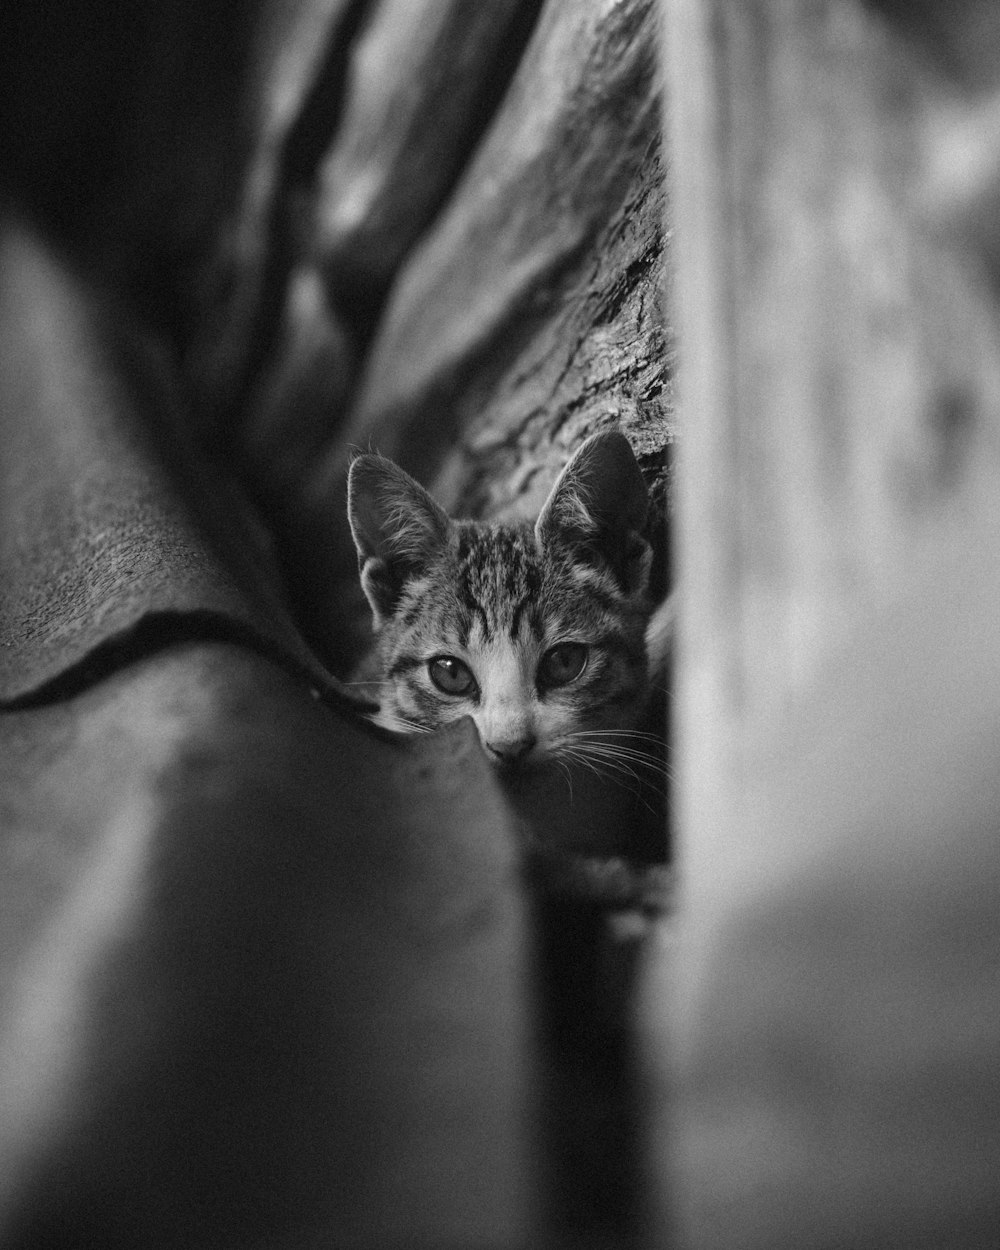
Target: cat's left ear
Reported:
point(397, 528)
point(599, 506)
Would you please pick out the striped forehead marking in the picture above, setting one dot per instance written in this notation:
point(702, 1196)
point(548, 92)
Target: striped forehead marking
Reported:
point(499, 578)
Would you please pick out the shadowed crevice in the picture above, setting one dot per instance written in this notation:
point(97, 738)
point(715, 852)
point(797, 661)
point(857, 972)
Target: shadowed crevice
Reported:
point(157, 632)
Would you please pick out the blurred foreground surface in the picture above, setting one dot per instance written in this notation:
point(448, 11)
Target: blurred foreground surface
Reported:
point(834, 1028)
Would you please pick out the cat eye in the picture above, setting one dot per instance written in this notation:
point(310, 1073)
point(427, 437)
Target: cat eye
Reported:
point(562, 664)
point(451, 676)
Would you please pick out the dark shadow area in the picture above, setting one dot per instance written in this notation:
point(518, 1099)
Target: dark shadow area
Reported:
point(591, 1122)
point(123, 132)
point(160, 631)
point(307, 140)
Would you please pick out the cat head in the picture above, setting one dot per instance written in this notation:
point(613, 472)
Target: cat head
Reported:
point(537, 633)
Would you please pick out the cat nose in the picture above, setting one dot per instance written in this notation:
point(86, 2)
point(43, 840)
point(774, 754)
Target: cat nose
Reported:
point(508, 751)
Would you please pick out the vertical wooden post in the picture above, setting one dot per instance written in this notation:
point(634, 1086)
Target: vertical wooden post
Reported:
point(830, 1003)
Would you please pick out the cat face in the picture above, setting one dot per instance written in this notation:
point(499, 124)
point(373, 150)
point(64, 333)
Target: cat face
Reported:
point(536, 633)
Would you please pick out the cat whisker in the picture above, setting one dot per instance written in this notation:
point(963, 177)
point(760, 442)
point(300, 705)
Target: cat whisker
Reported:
point(616, 778)
point(585, 735)
point(611, 770)
point(402, 723)
point(636, 743)
point(618, 747)
point(579, 757)
point(644, 759)
point(614, 765)
point(603, 761)
point(565, 770)
point(641, 759)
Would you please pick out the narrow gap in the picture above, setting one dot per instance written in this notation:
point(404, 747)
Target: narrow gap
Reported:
point(160, 631)
point(359, 303)
point(319, 118)
point(590, 919)
point(592, 1132)
point(308, 138)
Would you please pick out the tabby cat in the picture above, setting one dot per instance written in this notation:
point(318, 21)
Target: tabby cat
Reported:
point(537, 633)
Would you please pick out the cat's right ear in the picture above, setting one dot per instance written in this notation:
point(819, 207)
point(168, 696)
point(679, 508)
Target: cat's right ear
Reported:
point(598, 507)
point(397, 529)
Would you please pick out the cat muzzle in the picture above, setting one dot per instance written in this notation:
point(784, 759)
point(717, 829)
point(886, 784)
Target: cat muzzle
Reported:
point(510, 753)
